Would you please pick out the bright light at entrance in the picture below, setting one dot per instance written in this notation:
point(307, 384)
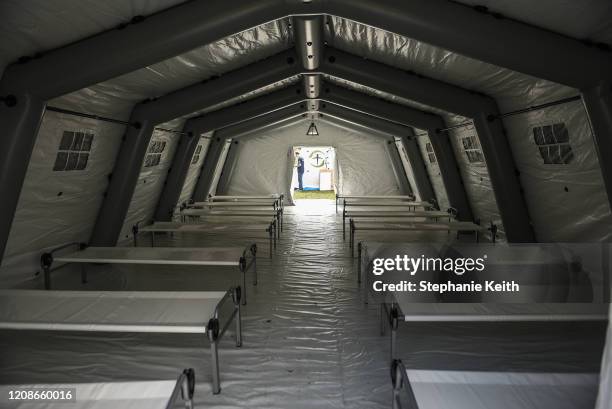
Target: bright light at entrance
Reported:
point(314, 172)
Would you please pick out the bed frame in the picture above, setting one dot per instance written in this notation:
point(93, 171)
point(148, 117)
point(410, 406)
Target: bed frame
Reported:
point(188, 312)
point(381, 198)
point(205, 228)
point(244, 259)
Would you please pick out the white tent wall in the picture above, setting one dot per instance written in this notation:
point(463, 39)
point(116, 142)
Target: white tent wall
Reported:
point(57, 207)
point(364, 166)
point(151, 180)
point(219, 167)
point(475, 177)
point(583, 213)
point(433, 170)
point(407, 168)
point(195, 167)
point(35, 26)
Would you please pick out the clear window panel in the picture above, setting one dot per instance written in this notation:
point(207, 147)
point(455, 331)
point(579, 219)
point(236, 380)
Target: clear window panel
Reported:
point(66, 141)
point(60, 161)
point(73, 158)
point(82, 162)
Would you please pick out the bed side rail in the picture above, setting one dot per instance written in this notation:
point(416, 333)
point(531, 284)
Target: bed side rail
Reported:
point(184, 388)
point(399, 379)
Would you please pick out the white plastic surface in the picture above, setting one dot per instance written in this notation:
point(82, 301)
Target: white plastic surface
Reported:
point(502, 390)
point(231, 212)
point(58, 207)
point(194, 170)
point(438, 226)
point(579, 214)
point(191, 256)
point(201, 227)
point(399, 213)
point(490, 312)
point(44, 218)
point(113, 311)
point(103, 395)
point(265, 161)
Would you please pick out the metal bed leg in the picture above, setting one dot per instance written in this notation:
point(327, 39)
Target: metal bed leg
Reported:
point(152, 239)
point(352, 239)
point(188, 387)
point(212, 331)
point(396, 378)
point(394, 321)
point(254, 253)
point(236, 298)
point(270, 239)
point(243, 270)
point(343, 225)
point(215, 368)
point(382, 319)
point(359, 263)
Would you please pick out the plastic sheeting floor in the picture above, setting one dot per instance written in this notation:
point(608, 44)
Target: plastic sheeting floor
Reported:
point(309, 340)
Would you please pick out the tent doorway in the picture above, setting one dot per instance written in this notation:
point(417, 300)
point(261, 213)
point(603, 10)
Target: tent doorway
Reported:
point(319, 172)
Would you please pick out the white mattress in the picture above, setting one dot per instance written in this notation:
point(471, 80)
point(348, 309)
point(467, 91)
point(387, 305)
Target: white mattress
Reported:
point(358, 197)
point(112, 311)
point(207, 212)
point(191, 256)
point(201, 227)
point(386, 204)
point(395, 213)
point(437, 226)
point(256, 204)
point(106, 395)
point(502, 390)
point(488, 312)
point(238, 198)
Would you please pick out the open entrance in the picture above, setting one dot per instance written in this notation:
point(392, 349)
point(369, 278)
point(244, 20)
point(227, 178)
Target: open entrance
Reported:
point(316, 167)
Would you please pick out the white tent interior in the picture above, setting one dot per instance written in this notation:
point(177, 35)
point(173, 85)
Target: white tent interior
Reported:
point(561, 177)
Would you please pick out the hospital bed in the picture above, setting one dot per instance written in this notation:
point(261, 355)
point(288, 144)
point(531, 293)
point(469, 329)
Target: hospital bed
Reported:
point(402, 309)
point(104, 395)
point(436, 389)
point(242, 258)
point(205, 228)
point(271, 214)
point(373, 197)
point(451, 226)
point(410, 205)
point(190, 312)
point(231, 205)
point(275, 197)
point(434, 215)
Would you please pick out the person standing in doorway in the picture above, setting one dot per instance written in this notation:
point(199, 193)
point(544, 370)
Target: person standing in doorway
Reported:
point(300, 170)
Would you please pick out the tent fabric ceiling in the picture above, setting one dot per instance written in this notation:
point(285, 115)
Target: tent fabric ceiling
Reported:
point(584, 19)
point(36, 26)
point(116, 97)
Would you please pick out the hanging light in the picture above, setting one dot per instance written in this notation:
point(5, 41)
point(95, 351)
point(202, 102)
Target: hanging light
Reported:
point(312, 130)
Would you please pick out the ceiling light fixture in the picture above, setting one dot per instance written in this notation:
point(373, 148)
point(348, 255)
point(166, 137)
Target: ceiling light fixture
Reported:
point(312, 130)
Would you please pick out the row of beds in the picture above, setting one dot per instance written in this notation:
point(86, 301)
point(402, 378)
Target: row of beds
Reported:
point(480, 375)
point(209, 313)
